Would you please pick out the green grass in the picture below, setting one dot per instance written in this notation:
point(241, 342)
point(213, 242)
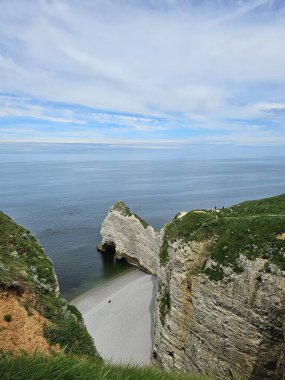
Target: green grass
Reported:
point(250, 228)
point(163, 254)
point(184, 228)
point(216, 273)
point(24, 268)
point(22, 260)
point(273, 205)
point(124, 210)
point(66, 367)
point(164, 306)
point(71, 335)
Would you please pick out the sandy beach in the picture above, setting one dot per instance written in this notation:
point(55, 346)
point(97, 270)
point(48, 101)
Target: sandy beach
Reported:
point(118, 316)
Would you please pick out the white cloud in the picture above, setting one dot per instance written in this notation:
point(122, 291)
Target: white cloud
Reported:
point(100, 117)
point(132, 60)
point(24, 108)
point(169, 59)
point(267, 106)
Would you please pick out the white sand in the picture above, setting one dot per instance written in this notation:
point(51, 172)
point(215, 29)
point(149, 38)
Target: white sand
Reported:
point(121, 329)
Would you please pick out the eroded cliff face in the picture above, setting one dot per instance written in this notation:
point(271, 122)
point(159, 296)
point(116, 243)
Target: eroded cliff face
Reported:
point(232, 328)
point(220, 305)
point(132, 238)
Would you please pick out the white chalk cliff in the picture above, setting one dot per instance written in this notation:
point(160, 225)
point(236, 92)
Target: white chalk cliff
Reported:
point(232, 328)
point(132, 238)
point(220, 305)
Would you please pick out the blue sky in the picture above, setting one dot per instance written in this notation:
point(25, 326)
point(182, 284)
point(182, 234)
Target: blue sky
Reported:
point(143, 72)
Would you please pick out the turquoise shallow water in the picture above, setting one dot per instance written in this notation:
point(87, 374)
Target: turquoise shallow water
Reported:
point(63, 192)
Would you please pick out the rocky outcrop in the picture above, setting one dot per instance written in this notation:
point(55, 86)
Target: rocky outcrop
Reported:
point(232, 328)
point(131, 238)
point(220, 305)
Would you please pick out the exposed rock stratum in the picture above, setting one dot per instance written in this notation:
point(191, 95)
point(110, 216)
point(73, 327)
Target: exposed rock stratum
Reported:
point(220, 303)
point(132, 238)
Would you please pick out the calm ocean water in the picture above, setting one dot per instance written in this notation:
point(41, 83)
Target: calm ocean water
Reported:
point(63, 192)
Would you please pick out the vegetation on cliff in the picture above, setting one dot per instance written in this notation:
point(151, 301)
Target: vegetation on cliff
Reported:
point(254, 229)
point(164, 303)
point(124, 210)
point(62, 367)
point(29, 289)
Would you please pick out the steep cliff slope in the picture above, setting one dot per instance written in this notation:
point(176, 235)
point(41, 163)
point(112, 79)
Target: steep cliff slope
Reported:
point(221, 293)
point(33, 317)
point(131, 237)
point(220, 304)
point(35, 320)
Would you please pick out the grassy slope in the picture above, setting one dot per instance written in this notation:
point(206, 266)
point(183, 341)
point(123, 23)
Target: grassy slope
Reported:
point(250, 228)
point(62, 367)
point(25, 269)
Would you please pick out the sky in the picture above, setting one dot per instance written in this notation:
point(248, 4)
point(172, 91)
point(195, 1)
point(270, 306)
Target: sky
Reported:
point(143, 72)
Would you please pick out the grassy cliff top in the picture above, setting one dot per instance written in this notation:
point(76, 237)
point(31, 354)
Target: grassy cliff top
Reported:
point(63, 367)
point(29, 288)
point(124, 210)
point(253, 228)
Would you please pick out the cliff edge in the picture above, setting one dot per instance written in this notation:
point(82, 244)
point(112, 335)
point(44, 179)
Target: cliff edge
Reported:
point(33, 316)
point(220, 304)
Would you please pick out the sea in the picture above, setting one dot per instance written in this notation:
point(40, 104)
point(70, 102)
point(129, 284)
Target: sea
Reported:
point(62, 193)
